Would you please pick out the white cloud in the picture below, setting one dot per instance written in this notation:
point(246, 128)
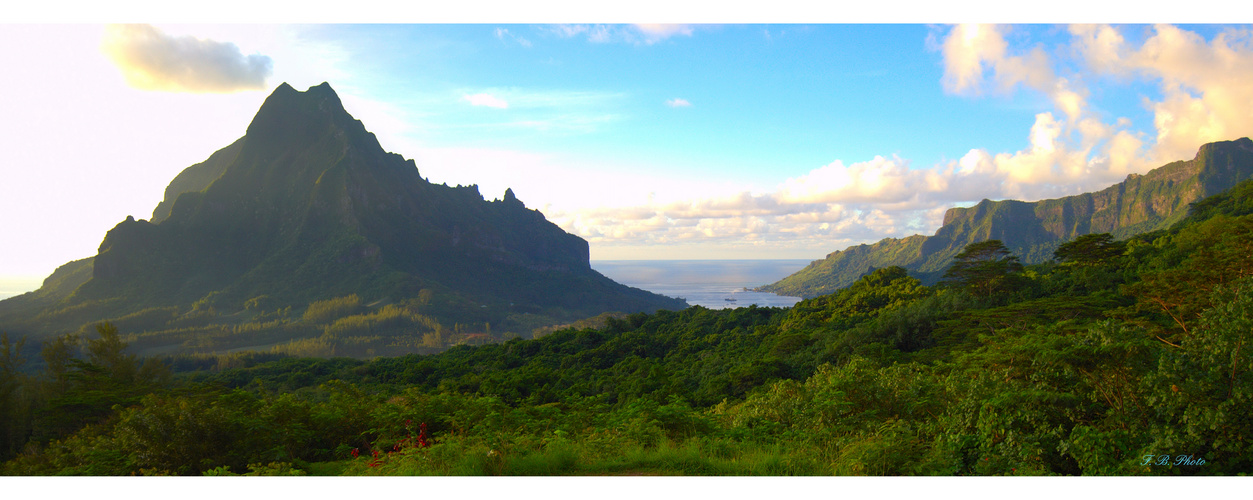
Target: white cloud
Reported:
point(678, 103)
point(568, 30)
point(1205, 86)
point(488, 100)
point(637, 34)
point(654, 33)
point(503, 34)
point(970, 50)
point(544, 110)
point(1205, 97)
point(880, 180)
point(153, 60)
point(75, 104)
point(1076, 153)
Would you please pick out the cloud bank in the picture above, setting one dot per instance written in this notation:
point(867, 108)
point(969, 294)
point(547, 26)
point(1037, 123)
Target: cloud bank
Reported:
point(152, 60)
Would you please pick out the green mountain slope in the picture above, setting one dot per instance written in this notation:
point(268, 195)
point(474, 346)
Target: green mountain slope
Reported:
point(307, 206)
point(1032, 230)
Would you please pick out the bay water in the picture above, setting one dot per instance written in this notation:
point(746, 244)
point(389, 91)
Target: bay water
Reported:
point(715, 284)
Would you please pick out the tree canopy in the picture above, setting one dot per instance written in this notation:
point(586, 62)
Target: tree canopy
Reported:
point(984, 269)
point(1089, 249)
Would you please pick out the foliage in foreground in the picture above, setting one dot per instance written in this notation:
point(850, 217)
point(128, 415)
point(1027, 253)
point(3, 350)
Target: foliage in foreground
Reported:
point(1120, 358)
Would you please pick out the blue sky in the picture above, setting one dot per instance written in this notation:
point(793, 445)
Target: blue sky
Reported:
point(671, 141)
point(761, 97)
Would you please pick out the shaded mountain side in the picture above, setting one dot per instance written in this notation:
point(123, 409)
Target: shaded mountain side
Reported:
point(196, 178)
point(307, 206)
point(58, 285)
point(1033, 230)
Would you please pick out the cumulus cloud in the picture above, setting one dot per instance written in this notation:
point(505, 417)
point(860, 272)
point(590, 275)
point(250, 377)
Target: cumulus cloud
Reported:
point(1203, 85)
point(879, 180)
point(971, 49)
point(678, 103)
point(832, 204)
point(1071, 151)
point(152, 60)
point(488, 100)
point(1205, 91)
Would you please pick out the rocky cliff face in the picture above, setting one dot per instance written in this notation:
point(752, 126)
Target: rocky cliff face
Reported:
point(1032, 230)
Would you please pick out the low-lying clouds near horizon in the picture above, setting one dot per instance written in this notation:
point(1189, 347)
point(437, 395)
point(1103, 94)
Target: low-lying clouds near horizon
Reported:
point(152, 60)
point(1071, 148)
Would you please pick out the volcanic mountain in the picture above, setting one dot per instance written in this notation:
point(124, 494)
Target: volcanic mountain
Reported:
point(307, 206)
point(1033, 230)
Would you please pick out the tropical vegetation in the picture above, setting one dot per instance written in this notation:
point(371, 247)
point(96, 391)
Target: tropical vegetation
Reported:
point(1115, 357)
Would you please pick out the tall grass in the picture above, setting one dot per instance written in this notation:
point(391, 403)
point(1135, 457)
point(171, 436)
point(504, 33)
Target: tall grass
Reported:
point(326, 311)
point(565, 457)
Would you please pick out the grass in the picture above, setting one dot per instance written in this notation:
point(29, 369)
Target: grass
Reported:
point(561, 457)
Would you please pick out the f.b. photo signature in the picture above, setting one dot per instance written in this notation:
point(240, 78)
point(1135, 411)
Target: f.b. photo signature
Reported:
point(1169, 460)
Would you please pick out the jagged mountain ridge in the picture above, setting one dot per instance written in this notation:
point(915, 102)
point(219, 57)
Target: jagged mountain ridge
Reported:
point(308, 206)
point(1032, 230)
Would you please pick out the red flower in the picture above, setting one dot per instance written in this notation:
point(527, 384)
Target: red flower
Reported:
point(422, 438)
point(354, 453)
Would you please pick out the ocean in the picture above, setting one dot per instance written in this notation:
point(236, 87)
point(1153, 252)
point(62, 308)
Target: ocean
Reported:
point(707, 283)
point(13, 286)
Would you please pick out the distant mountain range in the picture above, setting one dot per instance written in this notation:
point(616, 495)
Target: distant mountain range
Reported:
point(1033, 230)
point(307, 206)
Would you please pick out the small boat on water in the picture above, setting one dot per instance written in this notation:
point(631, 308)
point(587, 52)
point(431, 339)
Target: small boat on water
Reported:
point(729, 300)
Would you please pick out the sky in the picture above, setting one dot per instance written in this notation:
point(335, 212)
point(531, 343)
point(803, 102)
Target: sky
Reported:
point(707, 140)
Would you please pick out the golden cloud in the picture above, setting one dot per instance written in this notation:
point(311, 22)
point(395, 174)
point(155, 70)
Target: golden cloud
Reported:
point(152, 60)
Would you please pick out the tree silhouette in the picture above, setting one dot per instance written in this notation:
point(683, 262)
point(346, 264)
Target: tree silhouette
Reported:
point(1089, 249)
point(984, 269)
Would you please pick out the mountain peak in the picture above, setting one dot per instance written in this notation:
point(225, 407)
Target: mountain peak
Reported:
point(1242, 143)
point(287, 109)
point(511, 199)
point(308, 206)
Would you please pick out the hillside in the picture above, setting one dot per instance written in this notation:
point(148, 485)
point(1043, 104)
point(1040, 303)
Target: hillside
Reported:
point(308, 207)
point(1032, 230)
point(1083, 367)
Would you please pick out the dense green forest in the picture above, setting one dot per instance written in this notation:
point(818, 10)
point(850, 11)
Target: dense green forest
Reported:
point(1127, 357)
